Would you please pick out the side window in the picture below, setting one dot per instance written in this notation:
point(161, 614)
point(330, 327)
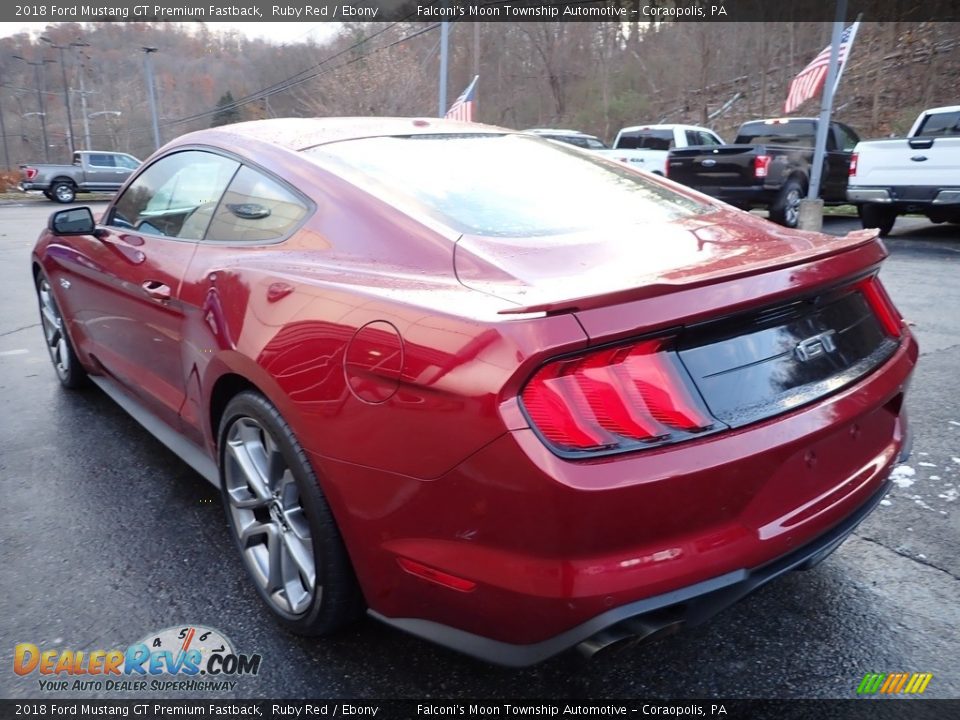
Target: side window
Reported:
point(100, 160)
point(945, 123)
point(708, 138)
point(594, 144)
point(127, 162)
point(175, 196)
point(255, 208)
point(693, 137)
point(846, 138)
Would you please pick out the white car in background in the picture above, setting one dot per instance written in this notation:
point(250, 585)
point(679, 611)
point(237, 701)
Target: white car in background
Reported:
point(570, 137)
point(646, 146)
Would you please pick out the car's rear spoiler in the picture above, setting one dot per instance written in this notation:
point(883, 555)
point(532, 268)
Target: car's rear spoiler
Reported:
point(850, 241)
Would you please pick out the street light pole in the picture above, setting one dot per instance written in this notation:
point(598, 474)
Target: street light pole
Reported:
point(148, 69)
point(43, 109)
point(66, 87)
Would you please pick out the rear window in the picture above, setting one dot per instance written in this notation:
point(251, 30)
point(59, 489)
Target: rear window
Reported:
point(947, 123)
point(799, 134)
point(503, 185)
point(645, 140)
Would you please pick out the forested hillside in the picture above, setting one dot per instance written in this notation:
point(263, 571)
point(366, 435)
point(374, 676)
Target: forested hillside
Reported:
point(595, 77)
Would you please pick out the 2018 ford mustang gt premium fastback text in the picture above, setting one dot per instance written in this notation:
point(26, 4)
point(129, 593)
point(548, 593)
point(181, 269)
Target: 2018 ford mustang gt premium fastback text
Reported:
point(502, 393)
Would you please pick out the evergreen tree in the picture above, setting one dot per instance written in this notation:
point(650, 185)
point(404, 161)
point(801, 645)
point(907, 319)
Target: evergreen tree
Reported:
point(225, 113)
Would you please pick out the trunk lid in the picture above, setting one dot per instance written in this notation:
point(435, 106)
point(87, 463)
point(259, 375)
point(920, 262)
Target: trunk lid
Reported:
point(588, 270)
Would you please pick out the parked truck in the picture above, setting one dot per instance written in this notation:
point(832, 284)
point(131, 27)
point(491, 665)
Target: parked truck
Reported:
point(916, 174)
point(646, 146)
point(768, 166)
point(91, 171)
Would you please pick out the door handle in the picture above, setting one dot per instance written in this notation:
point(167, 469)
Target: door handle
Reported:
point(157, 290)
point(919, 158)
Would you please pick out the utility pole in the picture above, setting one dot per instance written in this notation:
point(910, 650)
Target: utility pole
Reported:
point(43, 111)
point(6, 150)
point(83, 109)
point(66, 87)
point(148, 69)
point(444, 52)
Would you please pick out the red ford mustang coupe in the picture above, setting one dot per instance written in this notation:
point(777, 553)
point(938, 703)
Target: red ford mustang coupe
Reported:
point(503, 394)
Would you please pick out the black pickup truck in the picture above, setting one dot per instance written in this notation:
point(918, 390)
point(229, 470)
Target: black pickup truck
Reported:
point(768, 166)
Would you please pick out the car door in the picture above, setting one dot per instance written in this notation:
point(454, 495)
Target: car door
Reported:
point(841, 141)
point(126, 288)
point(101, 172)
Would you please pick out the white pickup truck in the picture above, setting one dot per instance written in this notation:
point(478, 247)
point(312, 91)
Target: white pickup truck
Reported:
point(647, 146)
point(916, 174)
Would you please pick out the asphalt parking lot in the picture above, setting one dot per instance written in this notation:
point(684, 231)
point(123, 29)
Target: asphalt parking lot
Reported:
point(106, 537)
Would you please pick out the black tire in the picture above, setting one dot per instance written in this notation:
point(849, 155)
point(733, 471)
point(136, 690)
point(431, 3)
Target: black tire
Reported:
point(786, 208)
point(49, 195)
point(63, 191)
point(291, 505)
point(878, 216)
point(69, 371)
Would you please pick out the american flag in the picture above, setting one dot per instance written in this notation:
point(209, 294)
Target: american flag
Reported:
point(810, 80)
point(462, 108)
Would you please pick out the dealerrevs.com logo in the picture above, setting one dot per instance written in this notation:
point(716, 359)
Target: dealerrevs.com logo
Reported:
point(187, 658)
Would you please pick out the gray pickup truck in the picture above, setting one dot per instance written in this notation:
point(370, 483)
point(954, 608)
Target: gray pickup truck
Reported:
point(91, 171)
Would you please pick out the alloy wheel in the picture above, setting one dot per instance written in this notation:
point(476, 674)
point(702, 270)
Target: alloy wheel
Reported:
point(268, 518)
point(791, 210)
point(53, 330)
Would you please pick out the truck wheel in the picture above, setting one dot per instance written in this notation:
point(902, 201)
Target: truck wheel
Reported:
point(63, 192)
point(877, 216)
point(786, 209)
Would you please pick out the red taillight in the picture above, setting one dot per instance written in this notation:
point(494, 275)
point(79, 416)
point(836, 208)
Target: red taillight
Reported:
point(882, 306)
point(425, 572)
point(761, 164)
point(30, 173)
point(614, 399)
point(853, 164)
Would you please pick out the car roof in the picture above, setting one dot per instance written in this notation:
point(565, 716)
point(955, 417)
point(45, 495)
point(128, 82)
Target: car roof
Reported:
point(302, 133)
point(555, 131)
point(667, 126)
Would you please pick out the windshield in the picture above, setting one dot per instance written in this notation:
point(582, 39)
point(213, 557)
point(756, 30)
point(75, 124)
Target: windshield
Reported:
point(504, 185)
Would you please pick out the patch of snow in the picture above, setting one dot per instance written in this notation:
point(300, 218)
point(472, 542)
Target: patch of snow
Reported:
point(954, 422)
point(934, 477)
point(926, 464)
point(956, 460)
point(949, 495)
point(902, 476)
point(886, 502)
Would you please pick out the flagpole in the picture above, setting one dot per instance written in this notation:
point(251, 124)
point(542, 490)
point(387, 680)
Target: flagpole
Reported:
point(811, 209)
point(444, 50)
point(826, 104)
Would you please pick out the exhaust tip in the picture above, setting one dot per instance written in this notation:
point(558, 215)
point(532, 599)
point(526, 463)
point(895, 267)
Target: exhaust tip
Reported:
point(628, 633)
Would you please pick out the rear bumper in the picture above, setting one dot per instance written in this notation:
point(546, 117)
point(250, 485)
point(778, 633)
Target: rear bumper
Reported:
point(25, 186)
point(745, 197)
point(557, 551)
point(686, 606)
point(906, 197)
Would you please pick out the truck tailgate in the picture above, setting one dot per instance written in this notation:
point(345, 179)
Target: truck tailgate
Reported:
point(723, 166)
point(920, 162)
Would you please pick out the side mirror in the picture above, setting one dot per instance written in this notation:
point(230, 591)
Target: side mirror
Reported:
point(75, 221)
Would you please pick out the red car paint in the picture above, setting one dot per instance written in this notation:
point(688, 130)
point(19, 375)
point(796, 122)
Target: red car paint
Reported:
point(456, 514)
